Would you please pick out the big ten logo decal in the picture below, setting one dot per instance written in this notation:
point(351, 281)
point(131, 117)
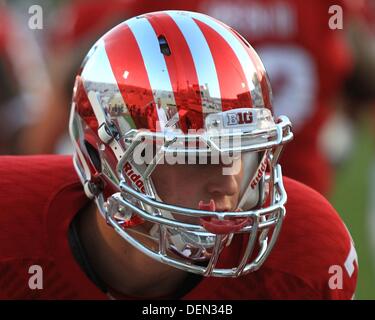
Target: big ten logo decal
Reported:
point(239, 118)
point(294, 77)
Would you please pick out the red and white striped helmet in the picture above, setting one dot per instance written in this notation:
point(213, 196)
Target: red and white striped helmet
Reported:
point(180, 84)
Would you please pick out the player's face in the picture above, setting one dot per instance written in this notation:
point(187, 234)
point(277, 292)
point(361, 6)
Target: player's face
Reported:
point(188, 184)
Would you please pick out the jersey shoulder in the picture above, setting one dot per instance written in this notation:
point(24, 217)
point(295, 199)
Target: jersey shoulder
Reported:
point(39, 196)
point(28, 186)
point(314, 245)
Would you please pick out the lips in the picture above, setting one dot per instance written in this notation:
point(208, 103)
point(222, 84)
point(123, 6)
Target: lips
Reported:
point(217, 226)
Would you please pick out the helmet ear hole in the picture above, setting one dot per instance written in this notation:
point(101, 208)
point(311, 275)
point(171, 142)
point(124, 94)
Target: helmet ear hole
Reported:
point(94, 156)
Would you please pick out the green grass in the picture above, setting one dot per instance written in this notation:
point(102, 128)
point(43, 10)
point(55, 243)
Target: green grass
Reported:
point(351, 200)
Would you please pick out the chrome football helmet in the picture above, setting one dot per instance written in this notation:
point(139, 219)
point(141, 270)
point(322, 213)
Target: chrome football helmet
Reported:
point(178, 89)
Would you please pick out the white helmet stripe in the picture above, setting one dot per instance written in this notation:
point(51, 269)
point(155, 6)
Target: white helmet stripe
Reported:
point(203, 61)
point(98, 70)
point(155, 64)
point(242, 55)
point(97, 75)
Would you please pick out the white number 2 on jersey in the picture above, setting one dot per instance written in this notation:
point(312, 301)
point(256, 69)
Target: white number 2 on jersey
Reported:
point(293, 75)
point(349, 262)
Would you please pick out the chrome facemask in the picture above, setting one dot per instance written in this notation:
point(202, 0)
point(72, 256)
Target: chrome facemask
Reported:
point(190, 246)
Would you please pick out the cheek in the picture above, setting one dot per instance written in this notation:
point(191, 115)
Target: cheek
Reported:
point(178, 186)
point(240, 176)
point(162, 183)
point(166, 182)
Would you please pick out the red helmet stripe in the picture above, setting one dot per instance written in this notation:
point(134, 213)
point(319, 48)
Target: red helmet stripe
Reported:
point(182, 72)
point(238, 45)
point(130, 72)
point(157, 71)
point(203, 61)
point(232, 80)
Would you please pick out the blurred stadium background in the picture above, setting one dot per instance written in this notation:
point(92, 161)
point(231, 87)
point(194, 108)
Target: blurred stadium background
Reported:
point(348, 140)
point(354, 198)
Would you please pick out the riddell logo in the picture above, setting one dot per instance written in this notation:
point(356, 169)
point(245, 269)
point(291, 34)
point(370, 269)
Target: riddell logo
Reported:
point(258, 174)
point(136, 178)
point(239, 118)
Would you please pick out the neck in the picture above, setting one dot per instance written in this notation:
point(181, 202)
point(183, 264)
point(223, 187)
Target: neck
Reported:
point(120, 265)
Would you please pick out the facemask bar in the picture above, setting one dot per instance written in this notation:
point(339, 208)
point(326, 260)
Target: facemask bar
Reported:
point(276, 136)
point(280, 133)
point(243, 268)
point(276, 210)
point(263, 224)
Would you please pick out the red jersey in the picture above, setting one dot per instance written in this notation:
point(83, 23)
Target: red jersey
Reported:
point(40, 195)
point(87, 21)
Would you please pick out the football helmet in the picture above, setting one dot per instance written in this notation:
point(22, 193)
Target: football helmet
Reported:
point(183, 88)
